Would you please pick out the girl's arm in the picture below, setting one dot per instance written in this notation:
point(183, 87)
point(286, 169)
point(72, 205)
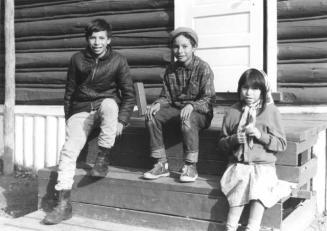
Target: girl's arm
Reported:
point(274, 138)
point(228, 140)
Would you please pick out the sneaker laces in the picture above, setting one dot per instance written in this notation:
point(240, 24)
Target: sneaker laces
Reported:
point(157, 166)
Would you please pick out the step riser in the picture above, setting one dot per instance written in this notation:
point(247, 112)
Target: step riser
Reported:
point(154, 198)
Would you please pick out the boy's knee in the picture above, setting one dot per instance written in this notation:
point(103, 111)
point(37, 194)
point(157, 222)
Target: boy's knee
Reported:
point(109, 105)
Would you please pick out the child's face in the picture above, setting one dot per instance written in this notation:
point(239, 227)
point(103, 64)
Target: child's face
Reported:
point(183, 49)
point(98, 42)
point(250, 95)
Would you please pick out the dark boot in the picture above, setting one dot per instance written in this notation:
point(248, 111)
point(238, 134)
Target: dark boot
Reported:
point(101, 165)
point(63, 210)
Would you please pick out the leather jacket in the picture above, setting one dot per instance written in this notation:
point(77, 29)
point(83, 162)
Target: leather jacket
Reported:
point(91, 79)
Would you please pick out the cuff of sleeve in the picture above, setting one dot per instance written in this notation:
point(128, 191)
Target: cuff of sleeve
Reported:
point(123, 122)
point(265, 139)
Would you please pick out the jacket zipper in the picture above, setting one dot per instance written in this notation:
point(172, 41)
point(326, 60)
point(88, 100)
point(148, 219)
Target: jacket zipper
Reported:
point(93, 74)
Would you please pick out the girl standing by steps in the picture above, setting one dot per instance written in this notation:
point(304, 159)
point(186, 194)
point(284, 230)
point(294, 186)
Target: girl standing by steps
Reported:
point(252, 134)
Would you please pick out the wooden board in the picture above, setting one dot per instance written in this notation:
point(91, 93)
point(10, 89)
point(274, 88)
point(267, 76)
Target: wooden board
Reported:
point(300, 174)
point(126, 191)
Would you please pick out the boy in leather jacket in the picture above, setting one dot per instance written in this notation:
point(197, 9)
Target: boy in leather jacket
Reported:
point(99, 93)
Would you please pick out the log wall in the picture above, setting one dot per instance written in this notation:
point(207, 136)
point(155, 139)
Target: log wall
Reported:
point(302, 55)
point(49, 32)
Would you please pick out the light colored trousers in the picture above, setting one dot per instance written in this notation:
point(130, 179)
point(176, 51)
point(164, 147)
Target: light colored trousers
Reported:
point(78, 128)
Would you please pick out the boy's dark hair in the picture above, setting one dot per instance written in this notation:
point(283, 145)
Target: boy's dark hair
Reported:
point(186, 35)
point(253, 78)
point(97, 25)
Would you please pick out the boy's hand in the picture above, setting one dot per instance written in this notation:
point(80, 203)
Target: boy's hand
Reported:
point(152, 110)
point(250, 130)
point(119, 131)
point(186, 112)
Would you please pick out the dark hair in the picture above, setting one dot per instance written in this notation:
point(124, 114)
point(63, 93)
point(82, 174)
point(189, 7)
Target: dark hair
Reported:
point(97, 25)
point(186, 35)
point(253, 78)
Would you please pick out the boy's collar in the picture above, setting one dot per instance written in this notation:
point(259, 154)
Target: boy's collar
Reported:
point(90, 54)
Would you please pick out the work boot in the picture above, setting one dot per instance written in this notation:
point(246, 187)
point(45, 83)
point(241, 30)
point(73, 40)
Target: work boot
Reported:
point(101, 165)
point(63, 210)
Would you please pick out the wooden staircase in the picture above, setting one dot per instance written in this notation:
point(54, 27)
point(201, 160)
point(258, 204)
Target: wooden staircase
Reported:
point(166, 204)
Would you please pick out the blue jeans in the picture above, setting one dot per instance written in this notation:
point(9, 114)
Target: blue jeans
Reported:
point(189, 131)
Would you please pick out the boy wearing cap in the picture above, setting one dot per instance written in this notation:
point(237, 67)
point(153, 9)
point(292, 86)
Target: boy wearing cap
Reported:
point(186, 99)
point(99, 93)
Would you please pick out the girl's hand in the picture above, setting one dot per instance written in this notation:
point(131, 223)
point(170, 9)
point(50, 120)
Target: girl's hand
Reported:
point(251, 130)
point(152, 110)
point(241, 137)
point(186, 112)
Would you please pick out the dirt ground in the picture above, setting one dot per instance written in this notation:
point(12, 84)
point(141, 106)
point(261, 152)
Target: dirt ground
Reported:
point(18, 194)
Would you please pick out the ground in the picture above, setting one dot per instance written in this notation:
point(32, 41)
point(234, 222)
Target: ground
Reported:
point(18, 194)
point(18, 197)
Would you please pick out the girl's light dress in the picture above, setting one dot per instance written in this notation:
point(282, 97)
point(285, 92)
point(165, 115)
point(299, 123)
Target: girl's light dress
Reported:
point(242, 183)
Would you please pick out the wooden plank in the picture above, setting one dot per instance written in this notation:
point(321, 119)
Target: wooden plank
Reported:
point(300, 174)
point(9, 103)
point(76, 25)
point(88, 8)
point(301, 8)
point(303, 50)
point(302, 73)
point(301, 217)
point(123, 190)
point(143, 74)
point(32, 222)
point(145, 40)
point(291, 155)
point(145, 219)
point(300, 29)
point(300, 95)
point(140, 98)
point(151, 56)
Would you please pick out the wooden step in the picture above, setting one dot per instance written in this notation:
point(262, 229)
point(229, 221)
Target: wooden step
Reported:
point(33, 220)
point(124, 197)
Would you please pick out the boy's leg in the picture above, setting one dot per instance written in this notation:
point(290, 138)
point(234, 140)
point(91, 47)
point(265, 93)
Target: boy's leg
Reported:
point(155, 128)
point(107, 115)
point(256, 213)
point(190, 133)
point(78, 128)
point(233, 217)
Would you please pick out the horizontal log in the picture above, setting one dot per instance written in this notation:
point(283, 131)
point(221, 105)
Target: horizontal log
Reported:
point(143, 39)
point(145, 75)
point(302, 73)
point(303, 50)
point(301, 8)
point(21, 3)
point(76, 25)
point(43, 96)
point(88, 8)
point(299, 29)
point(302, 84)
point(153, 56)
point(300, 95)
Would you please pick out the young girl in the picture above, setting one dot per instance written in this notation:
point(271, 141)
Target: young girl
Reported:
point(252, 134)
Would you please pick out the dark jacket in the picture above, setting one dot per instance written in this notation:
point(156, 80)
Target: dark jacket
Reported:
point(272, 138)
point(90, 80)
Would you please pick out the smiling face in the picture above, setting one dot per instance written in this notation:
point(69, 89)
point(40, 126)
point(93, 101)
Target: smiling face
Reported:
point(183, 49)
point(98, 42)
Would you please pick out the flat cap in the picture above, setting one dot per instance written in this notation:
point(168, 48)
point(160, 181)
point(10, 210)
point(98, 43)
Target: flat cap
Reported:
point(187, 30)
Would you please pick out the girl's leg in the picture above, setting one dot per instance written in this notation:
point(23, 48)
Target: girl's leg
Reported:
point(233, 217)
point(256, 212)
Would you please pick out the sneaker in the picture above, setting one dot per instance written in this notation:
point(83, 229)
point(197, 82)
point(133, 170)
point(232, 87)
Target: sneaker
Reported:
point(189, 173)
point(160, 169)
